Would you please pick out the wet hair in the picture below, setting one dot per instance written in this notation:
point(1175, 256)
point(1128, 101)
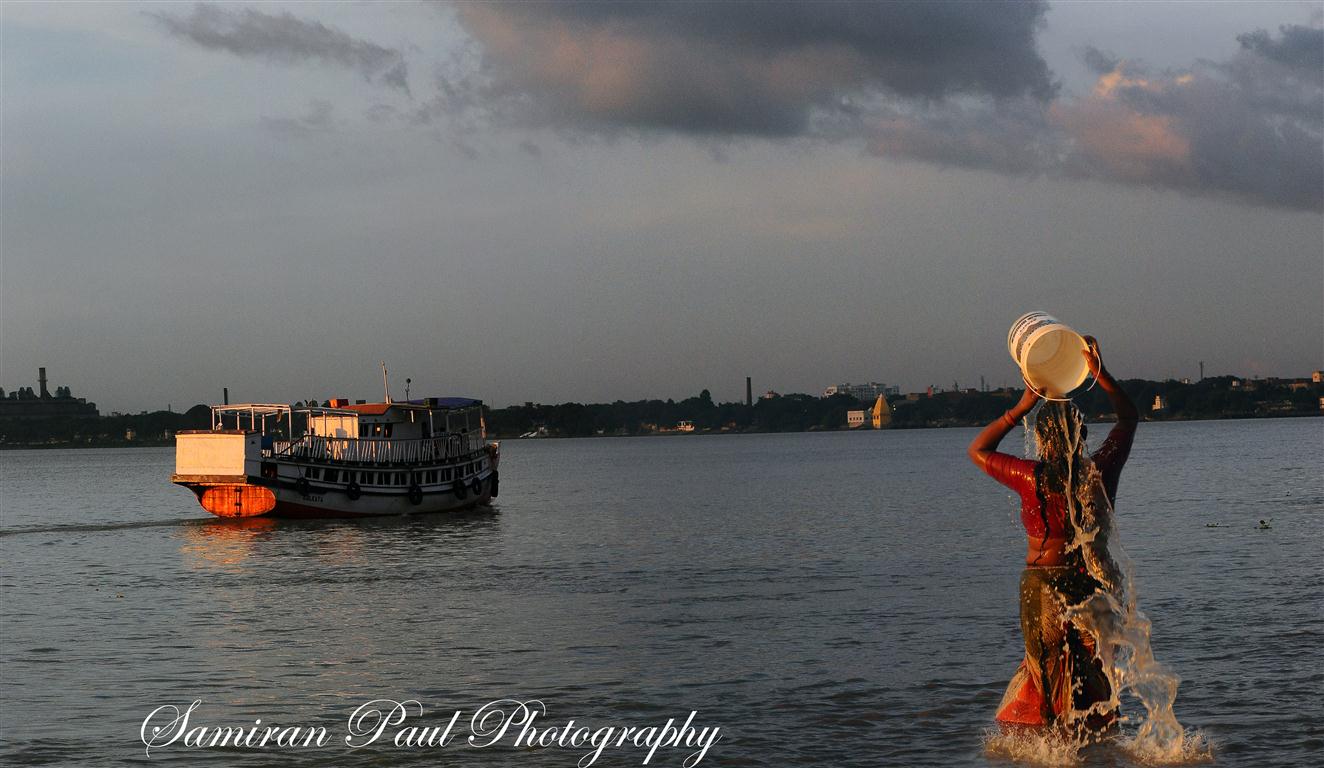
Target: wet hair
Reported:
point(1059, 433)
point(1063, 468)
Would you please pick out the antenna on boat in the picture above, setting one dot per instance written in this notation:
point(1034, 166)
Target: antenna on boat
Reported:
point(386, 383)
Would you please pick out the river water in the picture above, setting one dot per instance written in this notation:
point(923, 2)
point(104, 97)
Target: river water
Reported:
point(843, 599)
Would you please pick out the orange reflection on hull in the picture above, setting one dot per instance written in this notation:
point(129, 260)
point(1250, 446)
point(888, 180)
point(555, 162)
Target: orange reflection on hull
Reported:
point(237, 500)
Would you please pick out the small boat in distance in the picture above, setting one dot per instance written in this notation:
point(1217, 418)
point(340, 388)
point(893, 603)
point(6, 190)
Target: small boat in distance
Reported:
point(340, 460)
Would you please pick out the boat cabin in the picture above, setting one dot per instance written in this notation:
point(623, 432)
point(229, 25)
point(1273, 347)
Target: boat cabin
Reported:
point(411, 420)
point(435, 429)
point(407, 420)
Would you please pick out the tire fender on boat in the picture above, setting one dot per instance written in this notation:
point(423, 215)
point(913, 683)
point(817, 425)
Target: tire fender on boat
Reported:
point(303, 486)
point(353, 491)
point(493, 483)
point(415, 495)
point(477, 487)
point(459, 489)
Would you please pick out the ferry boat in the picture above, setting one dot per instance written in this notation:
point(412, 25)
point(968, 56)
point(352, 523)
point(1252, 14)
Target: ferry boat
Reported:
point(342, 460)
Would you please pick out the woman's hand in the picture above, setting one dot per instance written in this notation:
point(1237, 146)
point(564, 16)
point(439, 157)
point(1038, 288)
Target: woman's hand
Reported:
point(1027, 402)
point(1122, 405)
point(1092, 358)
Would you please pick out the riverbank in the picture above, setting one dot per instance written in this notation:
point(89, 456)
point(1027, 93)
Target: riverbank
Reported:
point(1213, 399)
point(670, 433)
point(1219, 398)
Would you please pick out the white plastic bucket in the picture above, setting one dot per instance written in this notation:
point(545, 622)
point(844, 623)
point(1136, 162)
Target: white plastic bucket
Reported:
point(1048, 353)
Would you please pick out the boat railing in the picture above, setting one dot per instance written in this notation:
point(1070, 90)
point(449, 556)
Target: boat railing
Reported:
point(378, 450)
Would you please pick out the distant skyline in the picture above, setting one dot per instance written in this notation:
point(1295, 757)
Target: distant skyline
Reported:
point(594, 201)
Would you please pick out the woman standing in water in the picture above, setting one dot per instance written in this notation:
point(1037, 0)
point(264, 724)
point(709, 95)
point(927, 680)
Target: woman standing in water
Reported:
point(1066, 501)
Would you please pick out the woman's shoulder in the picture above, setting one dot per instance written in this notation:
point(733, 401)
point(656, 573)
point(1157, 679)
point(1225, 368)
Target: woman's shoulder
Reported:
point(1012, 471)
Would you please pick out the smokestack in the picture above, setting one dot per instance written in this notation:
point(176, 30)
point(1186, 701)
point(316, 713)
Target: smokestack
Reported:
point(225, 395)
point(41, 381)
point(1201, 370)
point(749, 393)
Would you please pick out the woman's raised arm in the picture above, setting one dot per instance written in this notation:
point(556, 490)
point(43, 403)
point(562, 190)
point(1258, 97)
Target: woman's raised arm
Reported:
point(1121, 402)
point(986, 442)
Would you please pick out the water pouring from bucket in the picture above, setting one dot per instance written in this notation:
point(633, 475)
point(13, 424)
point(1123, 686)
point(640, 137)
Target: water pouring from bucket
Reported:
point(1048, 352)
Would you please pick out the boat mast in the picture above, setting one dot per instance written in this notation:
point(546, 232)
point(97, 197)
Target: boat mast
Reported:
point(386, 383)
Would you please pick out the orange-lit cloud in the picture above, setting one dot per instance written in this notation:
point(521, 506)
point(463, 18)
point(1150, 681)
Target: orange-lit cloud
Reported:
point(1119, 141)
point(747, 69)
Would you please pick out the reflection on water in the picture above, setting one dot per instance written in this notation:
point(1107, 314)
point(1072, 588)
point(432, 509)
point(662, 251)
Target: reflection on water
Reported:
point(229, 542)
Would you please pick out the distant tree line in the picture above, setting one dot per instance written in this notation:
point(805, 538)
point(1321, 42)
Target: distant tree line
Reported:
point(1213, 398)
point(1221, 397)
point(784, 413)
point(155, 428)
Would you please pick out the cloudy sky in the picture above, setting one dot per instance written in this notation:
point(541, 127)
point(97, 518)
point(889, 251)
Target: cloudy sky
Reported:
point(594, 201)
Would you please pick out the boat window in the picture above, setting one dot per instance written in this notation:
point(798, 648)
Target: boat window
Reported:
point(330, 476)
point(313, 473)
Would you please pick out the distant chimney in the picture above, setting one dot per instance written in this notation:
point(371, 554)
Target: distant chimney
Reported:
point(225, 395)
point(41, 381)
point(749, 393)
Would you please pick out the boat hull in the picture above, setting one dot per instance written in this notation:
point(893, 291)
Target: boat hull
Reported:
point(270, 497)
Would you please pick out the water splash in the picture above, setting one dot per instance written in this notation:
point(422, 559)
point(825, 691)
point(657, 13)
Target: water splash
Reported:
point(1034, 746)
point(1058, 749)
point(1112, 615)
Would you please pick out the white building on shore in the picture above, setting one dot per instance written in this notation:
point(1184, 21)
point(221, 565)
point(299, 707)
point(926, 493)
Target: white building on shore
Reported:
point(865, 393)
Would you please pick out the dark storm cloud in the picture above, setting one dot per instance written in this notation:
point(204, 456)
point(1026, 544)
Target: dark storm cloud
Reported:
point(1099, 62)
point(285, 39)
point(1250, 128)
point(957, 84)
point(1297, 47)
point(741, 68)
point(1012, 137)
